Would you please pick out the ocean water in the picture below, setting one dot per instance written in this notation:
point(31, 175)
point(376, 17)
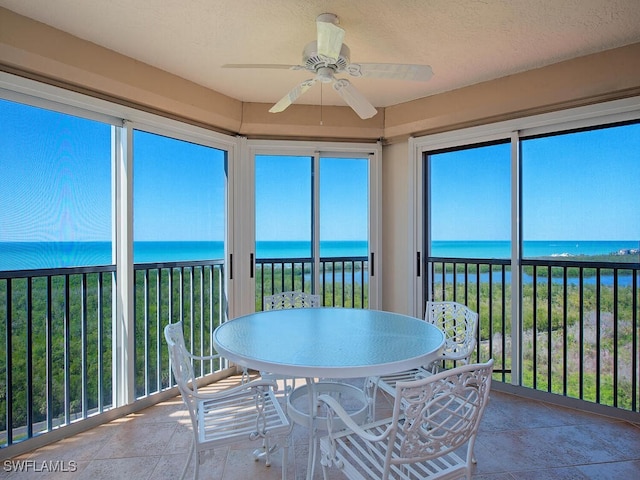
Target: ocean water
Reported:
point(532, 248)
point(36, 255)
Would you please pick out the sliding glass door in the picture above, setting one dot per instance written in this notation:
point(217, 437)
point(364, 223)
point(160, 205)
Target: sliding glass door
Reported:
point(539, 232)
point(312, 226)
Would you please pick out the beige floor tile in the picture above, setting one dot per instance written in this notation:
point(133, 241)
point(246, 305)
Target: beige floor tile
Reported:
point(518, 439)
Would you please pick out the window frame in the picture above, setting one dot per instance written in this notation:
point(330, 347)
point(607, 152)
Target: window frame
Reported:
point(590, 116)
point(245, 298)
point(123, 120)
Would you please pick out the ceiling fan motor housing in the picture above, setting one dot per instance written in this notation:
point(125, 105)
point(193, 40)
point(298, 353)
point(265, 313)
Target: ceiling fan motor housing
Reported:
point(312, 61)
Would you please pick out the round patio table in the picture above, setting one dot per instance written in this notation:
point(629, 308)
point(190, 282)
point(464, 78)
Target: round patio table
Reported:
point(328, 343)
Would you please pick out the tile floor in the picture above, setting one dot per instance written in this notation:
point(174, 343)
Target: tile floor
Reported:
point(518, 439)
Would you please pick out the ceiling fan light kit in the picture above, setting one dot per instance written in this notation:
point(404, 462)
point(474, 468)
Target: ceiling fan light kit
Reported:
point(328, 56)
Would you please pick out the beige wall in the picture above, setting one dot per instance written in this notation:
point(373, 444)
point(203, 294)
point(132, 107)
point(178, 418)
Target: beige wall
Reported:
point(395, 215)
point(582, 81)
point(37, 51)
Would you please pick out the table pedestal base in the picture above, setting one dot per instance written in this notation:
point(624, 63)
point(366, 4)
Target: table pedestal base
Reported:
point(298, 408)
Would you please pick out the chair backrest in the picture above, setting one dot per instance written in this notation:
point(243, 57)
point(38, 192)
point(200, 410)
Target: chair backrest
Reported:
point(182, 367)
point(440, 413)
point(459, 324)
point(282, 300)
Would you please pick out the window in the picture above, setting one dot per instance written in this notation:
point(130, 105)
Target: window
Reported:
point(55, 189)
point(469, 198)
point(179, 200)
point(557, 312)
point(313, 226)
point(580, 194)
point(283, 206)
point(285, 213)
point(344, 218)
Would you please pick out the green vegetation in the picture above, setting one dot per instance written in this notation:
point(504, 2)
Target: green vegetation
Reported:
point(81, 330)
point(162, 295)
point(588, 351)
point(274, 279)
point(583, 348)
point(190, 294)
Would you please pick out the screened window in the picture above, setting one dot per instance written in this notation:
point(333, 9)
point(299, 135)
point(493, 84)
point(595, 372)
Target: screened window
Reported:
point(580, 194)
point(55, 189)
point(312, 227)
point(179, 200)
point(468, 197)
point(283, 186)
point(344, 207)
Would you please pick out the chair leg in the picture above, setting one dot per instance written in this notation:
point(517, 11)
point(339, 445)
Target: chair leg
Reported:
point(285, 460)
point(472, 453)
point(196, 470)
point(186, 465)
point(264, 452)
point(371, 392)
point(325, 472)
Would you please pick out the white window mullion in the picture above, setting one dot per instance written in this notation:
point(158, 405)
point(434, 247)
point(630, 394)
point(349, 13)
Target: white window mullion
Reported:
point(315, 216)
point(241, 251)
point(516, 254)
point(416, 231)
point(124, 316)
point(375, 228)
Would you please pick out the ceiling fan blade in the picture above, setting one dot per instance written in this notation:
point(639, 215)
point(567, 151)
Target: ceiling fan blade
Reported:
point(416, 73)
point(354, 98)
point(261, 65)
point(292, 96)
point(330, 36)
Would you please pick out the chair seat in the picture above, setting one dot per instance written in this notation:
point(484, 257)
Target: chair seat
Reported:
point(388, 382)
point(360, 458)
point(220, 420)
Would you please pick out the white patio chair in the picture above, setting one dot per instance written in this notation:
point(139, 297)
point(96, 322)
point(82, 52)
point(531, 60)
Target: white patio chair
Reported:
point(433, 419)
point(280, 301)
point(459, 324)
point(247, 412)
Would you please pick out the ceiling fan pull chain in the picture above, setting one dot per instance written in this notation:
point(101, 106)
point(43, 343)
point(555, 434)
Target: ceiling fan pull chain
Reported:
point(321, 88)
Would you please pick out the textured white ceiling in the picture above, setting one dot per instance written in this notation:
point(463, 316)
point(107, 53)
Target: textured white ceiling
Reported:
point(465, 41)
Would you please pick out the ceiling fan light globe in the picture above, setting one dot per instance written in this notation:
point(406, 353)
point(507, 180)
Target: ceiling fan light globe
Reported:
point(325, 74)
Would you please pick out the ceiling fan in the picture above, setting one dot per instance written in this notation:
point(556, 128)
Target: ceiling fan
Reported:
point(329, 56)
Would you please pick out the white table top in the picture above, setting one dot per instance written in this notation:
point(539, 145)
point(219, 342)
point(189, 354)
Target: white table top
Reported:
point(329, 342)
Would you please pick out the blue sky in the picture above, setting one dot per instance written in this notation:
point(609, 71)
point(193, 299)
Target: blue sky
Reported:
point(179, 190)
point(283, 201)
point(55, 185)
point(52, 171)
point(56, 173)
point(581, 186)
point(585, 185)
